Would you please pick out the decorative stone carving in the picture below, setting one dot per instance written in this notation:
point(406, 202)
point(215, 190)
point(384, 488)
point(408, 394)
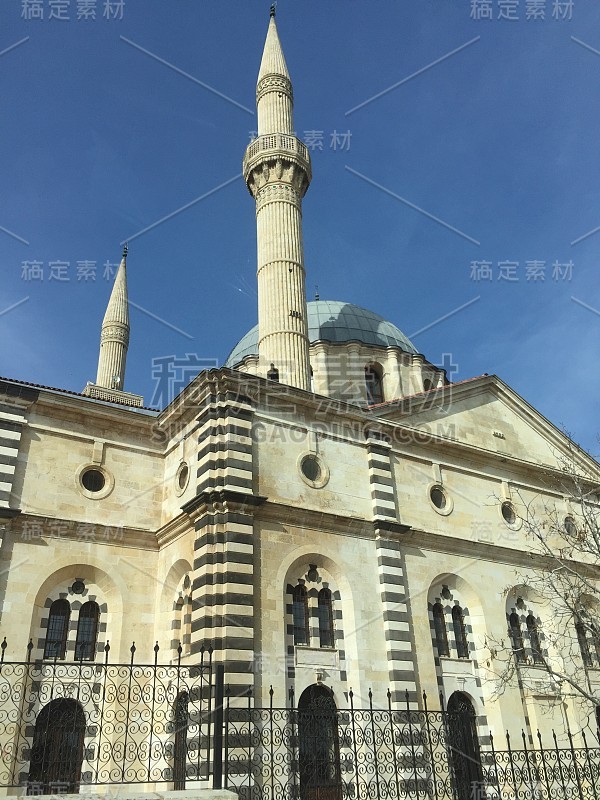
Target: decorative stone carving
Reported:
point(116, 333)
point(274, 83)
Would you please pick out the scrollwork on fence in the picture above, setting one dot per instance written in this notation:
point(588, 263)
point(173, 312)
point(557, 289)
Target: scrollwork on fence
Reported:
point(69, 724)
point(324, 753)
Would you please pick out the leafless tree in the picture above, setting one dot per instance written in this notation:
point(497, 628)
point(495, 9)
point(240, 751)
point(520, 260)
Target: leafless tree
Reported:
point(560, 638)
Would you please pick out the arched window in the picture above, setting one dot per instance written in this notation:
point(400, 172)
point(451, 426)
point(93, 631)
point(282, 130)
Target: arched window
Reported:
point(534, 639)
point(325, 612)
point(460, 633)
point(516, 637)
point(273, 373)
point(427, 385)
point(439, 626)
point(58, 629)
point(181, 720)
point(583, 643)
point(300, 615)
point(87, 632)
point(374, 385)
point(57, 748)
point(318, 745)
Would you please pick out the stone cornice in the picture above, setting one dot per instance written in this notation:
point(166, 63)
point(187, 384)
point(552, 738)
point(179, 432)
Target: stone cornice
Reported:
point(450, 545)
point(227, 499)
point(28, 528)
point(390, 526)
point(316, 519)
point(64, 405)
point(172, 530)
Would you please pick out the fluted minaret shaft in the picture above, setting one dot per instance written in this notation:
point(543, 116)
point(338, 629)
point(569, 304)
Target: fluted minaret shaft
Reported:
point(114, 338)
point(277, 172)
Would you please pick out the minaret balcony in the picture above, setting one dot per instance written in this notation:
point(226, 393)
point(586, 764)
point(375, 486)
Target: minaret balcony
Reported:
point(273, 146)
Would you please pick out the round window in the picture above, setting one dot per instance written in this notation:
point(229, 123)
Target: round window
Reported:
point(440, 500)
point(78, 587)
point(438, 497)
point(570, 526)
point(93, 480)
point(311, 468)
point(509, 514)
point(182, 476)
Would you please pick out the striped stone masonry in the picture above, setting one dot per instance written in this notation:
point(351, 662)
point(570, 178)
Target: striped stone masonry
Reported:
point(380, 477)
point(222, 590)
point(12, 420)
point(390, 563)
point(396, 619)
point(223, 575)
point(225, 444)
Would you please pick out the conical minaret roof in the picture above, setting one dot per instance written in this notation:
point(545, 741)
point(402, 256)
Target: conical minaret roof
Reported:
point(117, 310)
point(273, 60)
point(114, 341)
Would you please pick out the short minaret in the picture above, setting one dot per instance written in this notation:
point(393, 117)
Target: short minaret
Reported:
point(114, 341)
point(277, 172)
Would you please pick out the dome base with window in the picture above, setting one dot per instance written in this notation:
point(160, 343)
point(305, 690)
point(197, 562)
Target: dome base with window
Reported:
point(355, 355)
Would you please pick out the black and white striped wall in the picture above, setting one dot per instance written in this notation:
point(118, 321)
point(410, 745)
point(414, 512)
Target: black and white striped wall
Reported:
point(223, 574)
point(14, 401)
point(391, 568)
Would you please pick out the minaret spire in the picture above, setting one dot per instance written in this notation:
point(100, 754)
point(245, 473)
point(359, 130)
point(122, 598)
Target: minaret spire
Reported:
point(114, 338)
point(114, 342)
point(277, 171)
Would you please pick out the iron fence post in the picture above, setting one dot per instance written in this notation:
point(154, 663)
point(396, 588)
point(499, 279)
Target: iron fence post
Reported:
point(218, 731)
point(412, 743)
point(226, 764)
point(575, 765)
point(529, 776)
point(543, 757)
point(512, 766)
point(393, 740)
point(557, 752)
point(354, 748)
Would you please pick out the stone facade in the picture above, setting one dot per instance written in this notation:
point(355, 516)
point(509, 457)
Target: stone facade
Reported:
point(196, 525)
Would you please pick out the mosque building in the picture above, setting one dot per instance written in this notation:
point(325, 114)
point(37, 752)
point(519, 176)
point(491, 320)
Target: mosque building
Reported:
point(325, 512)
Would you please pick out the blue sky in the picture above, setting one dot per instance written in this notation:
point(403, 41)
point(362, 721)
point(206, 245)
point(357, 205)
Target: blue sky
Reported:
point(491, 129)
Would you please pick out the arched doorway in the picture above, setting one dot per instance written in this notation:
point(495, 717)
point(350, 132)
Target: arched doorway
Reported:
point(464, 748)
point(57, 749)
point(319, 746)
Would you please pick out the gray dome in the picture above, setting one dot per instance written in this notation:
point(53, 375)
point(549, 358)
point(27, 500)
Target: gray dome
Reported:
point(331, 321)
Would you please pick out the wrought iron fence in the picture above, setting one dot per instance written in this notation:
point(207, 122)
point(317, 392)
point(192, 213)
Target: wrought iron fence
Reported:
point(543, 771)
point(67, 725)
point(317, 752)
point(64, 725)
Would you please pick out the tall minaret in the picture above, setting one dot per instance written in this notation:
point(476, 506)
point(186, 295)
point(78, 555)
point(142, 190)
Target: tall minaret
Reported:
point(277, 172)
point(114, 338)
point(114, 341)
